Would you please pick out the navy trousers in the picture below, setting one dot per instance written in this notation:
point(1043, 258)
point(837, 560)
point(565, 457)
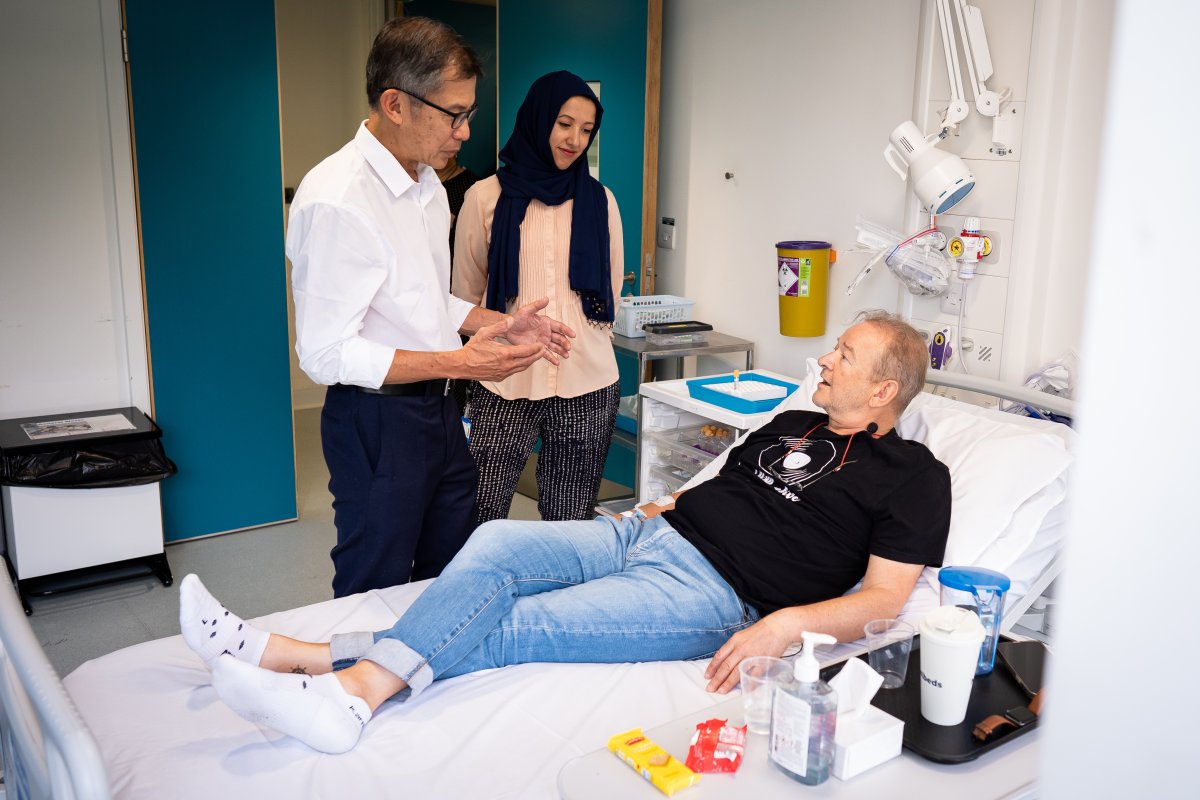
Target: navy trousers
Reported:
point(403, 486)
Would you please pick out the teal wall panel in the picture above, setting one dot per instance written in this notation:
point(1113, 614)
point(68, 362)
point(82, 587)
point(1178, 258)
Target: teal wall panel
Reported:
point(603, 42)
point(627, 371)
point(205, 100)
point(621, 464)
point(476, 24)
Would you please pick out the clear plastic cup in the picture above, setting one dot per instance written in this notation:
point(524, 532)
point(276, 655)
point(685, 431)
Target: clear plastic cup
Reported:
point(759, 677)
point(889, 641)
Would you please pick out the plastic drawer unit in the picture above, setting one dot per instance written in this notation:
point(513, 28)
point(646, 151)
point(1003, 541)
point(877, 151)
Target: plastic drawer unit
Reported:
point(678, 435)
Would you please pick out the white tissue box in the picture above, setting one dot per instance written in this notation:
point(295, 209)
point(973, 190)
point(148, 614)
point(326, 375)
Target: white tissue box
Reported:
point(865, 741)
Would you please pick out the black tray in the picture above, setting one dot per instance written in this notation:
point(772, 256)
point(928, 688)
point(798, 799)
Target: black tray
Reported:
point(690, 326)
point(13, 438)
point(993, 693)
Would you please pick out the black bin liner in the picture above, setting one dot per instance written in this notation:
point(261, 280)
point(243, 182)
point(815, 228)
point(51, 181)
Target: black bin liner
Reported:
point(100, 465)
point(89, 462)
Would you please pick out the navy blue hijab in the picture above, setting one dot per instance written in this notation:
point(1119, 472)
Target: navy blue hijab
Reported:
point(529, 173)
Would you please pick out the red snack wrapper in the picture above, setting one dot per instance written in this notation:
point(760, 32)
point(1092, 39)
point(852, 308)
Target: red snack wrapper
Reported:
point(716, 747)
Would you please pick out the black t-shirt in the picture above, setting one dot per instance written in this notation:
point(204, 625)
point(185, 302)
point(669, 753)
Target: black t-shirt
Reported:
point(785, 526)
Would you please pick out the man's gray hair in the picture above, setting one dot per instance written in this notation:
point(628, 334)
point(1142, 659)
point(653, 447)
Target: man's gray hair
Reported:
point(411, 53)
point(904, 359)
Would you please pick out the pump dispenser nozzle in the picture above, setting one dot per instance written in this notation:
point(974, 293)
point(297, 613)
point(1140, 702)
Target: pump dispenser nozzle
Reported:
point(807, 669)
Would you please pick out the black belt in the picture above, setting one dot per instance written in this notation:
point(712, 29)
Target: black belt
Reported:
point(429, 388)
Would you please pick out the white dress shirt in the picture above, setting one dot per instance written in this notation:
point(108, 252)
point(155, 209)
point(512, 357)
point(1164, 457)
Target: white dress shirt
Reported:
point(370, 265)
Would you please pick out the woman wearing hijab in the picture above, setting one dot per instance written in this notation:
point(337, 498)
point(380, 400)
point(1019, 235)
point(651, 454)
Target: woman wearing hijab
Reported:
point(542, 226)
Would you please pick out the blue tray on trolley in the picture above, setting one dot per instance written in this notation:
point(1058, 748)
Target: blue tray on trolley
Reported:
point(699, 389)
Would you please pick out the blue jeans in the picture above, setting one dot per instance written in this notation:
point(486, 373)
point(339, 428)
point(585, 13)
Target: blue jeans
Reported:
point(602, 590)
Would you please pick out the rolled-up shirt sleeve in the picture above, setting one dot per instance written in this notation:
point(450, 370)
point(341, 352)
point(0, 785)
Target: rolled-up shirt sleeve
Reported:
point(457, 309)
point(339, 263)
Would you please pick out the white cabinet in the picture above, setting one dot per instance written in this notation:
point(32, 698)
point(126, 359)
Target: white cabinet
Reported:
point(49, 531)
point(678, 434)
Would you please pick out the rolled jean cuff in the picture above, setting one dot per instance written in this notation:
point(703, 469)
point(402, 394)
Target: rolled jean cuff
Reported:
point(403, 662)
point(350, 646)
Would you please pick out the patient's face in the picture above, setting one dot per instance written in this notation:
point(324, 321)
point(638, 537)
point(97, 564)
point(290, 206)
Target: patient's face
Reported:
point(847, 372)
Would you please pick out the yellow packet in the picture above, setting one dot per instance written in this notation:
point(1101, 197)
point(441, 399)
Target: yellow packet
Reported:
point(652, 762)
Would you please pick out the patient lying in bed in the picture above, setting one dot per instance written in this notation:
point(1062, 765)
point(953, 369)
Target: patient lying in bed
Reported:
point(804, 507)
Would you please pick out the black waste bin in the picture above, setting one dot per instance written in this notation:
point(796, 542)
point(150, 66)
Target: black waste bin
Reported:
point(81, 500)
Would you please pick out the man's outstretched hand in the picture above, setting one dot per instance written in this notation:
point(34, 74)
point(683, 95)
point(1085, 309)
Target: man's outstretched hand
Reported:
point(485, 359)
point(529, 327)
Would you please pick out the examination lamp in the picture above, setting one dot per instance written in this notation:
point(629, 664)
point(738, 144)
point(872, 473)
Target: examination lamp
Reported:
point(940, 179)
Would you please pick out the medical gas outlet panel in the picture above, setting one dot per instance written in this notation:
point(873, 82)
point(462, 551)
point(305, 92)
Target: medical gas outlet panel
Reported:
point(975, 300)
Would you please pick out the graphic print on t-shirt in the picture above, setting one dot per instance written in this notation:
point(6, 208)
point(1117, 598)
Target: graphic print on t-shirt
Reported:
point(794, 463)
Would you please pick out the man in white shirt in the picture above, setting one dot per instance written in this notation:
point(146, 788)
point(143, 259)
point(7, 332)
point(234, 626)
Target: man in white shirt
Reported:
point(368, 239)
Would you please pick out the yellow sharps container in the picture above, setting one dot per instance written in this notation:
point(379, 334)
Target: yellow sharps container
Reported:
point(803, 286)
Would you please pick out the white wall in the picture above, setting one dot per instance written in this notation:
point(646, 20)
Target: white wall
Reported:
point(323, 46)
point(72, 328)
point(797, 100)
point(1120, 718)
point(802, 125)
point(1069, 69)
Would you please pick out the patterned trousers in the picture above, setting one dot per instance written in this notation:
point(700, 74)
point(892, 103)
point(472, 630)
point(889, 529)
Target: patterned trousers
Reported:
point(575, 433)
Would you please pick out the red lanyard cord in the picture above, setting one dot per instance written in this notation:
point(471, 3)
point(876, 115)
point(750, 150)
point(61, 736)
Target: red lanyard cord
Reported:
point(804, 439)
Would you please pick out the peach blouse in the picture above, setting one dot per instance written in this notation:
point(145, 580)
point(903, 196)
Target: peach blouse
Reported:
point(545, 247)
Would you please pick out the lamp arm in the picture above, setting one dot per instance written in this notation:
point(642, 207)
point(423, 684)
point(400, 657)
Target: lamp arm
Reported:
point(957, 111)
point(975, 51)
point(978, 56)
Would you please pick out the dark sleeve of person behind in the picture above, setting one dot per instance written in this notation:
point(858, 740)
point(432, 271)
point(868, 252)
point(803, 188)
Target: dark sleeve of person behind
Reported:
point(456, 192)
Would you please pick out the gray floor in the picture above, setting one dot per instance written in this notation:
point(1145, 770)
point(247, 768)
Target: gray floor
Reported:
point(254, 572)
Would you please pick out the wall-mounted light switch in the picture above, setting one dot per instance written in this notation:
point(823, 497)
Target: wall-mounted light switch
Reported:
point(666, 233)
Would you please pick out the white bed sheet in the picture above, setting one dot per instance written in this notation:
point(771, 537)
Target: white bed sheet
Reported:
point(505, 733)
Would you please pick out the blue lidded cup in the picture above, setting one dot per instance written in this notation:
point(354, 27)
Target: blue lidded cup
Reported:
point(982, 591)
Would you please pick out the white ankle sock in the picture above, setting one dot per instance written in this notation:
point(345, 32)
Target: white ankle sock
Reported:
point(312, 708)
point(212, 630)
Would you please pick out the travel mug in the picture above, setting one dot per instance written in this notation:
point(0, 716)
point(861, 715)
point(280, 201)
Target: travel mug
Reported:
point(950, 641)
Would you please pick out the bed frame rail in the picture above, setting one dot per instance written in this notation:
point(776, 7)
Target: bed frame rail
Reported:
point(1004, 391)
point(47, 750)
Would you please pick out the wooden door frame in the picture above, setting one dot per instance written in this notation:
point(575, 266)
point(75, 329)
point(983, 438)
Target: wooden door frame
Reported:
point(650, 144)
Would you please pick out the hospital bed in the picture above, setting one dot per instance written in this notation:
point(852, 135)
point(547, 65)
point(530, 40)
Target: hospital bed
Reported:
point(144, 722)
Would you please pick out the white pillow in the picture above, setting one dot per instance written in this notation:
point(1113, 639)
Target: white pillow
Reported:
point(1007, 472)
point(801, 398)
point(1004, 475)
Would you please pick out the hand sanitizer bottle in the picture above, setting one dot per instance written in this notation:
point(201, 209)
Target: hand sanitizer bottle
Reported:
point(803, 719)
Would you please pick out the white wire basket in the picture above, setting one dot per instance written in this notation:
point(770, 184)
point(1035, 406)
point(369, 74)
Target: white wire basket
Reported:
point(634, 312)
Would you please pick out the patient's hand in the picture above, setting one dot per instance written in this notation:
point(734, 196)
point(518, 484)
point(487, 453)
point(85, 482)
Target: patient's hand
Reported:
point(767, 637)
point(656, 507)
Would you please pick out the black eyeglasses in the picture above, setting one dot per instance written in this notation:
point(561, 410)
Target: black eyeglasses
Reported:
point(457, 118)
